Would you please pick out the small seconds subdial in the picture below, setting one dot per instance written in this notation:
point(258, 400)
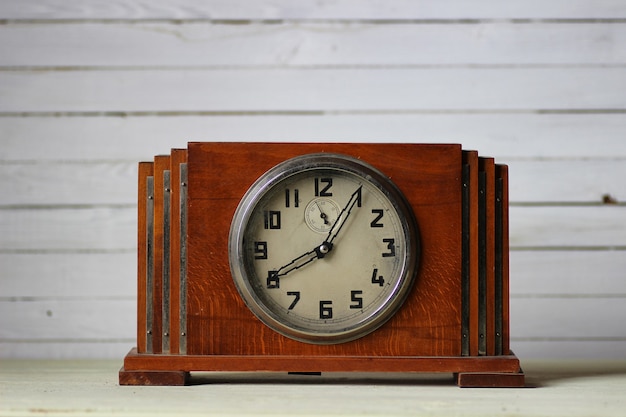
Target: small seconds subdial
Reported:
point(321, 213)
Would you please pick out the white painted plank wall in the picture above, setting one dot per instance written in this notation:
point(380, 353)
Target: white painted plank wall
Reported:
point(88, 89)
point(239, 10)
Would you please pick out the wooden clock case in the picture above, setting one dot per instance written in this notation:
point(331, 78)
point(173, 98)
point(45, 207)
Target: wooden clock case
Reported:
point(190, 316)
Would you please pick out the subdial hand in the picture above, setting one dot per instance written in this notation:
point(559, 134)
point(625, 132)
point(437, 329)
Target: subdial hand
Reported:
point(322, 214)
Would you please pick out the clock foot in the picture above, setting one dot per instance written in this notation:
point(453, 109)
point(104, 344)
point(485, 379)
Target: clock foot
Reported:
point(490, 380)
point(168, 378)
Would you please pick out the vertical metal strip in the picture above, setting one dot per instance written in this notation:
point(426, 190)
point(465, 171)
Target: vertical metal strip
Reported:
point(482, 263)
point(183, 260)
point(465, 259)
point(498, 267)
point(149, 261)
point(165, 340)
point(503, 175)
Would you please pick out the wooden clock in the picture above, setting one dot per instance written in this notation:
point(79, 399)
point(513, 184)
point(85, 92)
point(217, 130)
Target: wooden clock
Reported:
point(308, 257)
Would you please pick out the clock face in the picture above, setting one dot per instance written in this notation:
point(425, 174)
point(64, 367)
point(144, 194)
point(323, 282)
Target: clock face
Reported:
point(323, 248)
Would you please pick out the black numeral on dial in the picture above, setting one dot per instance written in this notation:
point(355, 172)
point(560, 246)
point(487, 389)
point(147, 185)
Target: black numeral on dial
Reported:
point(326, 309)
point(273, 280)
point(271, 219)
point(391, 246)
point(295, 294)
point(296, 198)
point(377, 279)
point(260, 250)
point(379, 215)
point(323, 192)
point(357, 299)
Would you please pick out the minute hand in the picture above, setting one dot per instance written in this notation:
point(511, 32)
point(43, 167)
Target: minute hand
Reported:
point(343, 216)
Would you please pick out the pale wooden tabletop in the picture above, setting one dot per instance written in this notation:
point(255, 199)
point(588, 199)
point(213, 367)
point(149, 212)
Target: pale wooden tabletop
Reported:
point(555, 388)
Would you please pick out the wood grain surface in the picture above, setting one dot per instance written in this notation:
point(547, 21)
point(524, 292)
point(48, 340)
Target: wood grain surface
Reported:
point(429, 322)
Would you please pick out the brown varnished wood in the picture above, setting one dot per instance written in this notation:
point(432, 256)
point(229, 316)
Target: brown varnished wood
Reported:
point(223, 335)
point(502, 172)
point(144, 171)
point(220, 324)
point(151, 377)
point(315, 363)
point(471, 371)
point(487, 166)
point(161, 163)
point(177, 157)
point(491, 379)
point(471, 158)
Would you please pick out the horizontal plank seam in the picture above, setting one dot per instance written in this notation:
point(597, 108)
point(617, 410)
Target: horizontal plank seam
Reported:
point(567, 296)
point(564, 248)
point(100, 251)
point(124, 206)
point(65, 251)
point(68, 340)
point(278, 112)
point(508, 158)
point(26, 299)
point(347, 21)
point(613, 157)
point(18, 207)
point(81, 161)
point(91, 251)
point(569, 339)
point(566, 204)
point(350, 67)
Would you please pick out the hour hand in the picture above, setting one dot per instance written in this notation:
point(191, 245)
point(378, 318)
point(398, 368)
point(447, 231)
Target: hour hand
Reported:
point(306, 258)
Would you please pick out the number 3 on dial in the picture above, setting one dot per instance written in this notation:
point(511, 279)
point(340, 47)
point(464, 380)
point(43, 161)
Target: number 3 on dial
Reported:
point(323, 248)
